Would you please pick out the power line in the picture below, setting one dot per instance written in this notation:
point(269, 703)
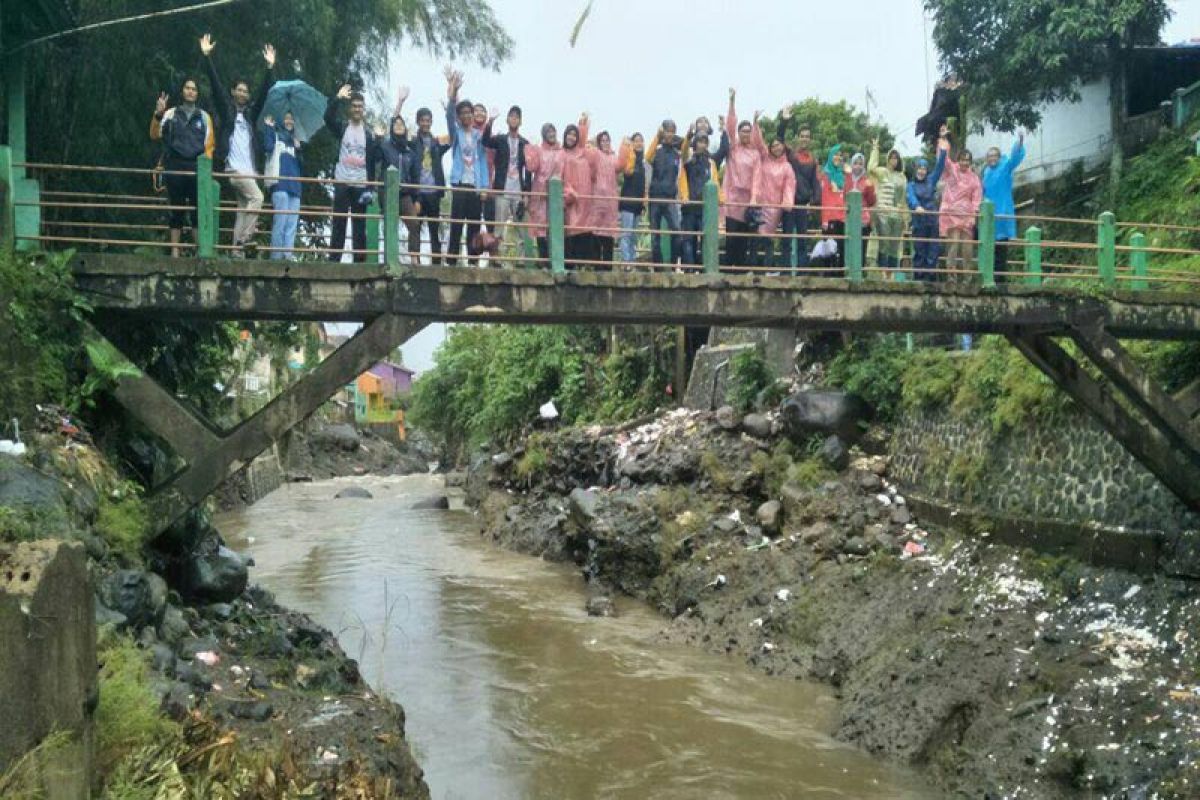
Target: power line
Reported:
point(106, 23)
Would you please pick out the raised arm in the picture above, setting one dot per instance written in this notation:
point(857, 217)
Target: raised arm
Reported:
point(939, 167)
point(1017, 155)
point(268, 54)
point(760, 144)
point(453, 84)
point(156, 119)
point(652, 148)
point(331, 110)
point(401, 96)
point(585, 128)
point(731, 120)
point(221, 102)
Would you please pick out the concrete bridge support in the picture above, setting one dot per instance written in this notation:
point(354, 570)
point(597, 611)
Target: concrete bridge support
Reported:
point(1143, 418)
point(212, 455)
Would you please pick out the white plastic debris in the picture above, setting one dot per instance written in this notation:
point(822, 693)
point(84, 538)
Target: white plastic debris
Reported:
point(783, 594)
point(767, 647)
point(548, 411)
point(883, 498)
point(208, 657)
point(9, 447)
point(329, 757)
point(1132, 591)
point(717, 582)
point(757, 622)
point(736, 516)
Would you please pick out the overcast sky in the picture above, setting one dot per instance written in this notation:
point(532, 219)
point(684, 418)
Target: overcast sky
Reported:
point(637, 62)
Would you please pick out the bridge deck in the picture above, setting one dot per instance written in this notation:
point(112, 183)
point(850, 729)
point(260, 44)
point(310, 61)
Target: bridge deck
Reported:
point(248, 290)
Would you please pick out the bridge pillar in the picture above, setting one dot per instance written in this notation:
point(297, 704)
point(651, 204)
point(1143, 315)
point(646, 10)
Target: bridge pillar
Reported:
point(212, 455)
point(1149, 425)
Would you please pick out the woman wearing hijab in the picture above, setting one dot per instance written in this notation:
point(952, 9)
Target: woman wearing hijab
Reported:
point(607, 166)
point(543, 162)
point(775, 190)
point(960, 205)
point(923, 200)
point(281, 170)
point(396, 151)
point(891, 206)
point(578, 169)
point(741, 176)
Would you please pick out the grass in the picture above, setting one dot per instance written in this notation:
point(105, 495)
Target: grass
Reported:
point(127, 716)
point(124, 524)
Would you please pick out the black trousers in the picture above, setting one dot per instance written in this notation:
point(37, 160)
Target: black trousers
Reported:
point(429, 215)
point(580, 247)
point(465, 210)
point(604, 251)
point(348, 200)
point(738, 249)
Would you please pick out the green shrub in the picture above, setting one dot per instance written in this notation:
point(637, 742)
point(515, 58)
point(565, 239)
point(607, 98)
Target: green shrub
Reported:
point(873, 369)
point(127, 716)
point(749, 377)
point(124, 522)
point(930, 380)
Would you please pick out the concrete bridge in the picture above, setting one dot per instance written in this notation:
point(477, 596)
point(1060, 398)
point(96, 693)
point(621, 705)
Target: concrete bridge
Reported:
point(394, 304)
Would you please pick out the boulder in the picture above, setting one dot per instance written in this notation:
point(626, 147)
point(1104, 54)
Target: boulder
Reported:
point(341, 437)
point(770, 517)
point(353, 492)
point(901, 515)
point(834, 453)
point(502, 462)
point(818, 411)
point(217, 577)
point(174, 626)
point(139, 596)
point(856, 546)
point(30, 493)
point(601, 606)
point(582, 505)
point(437, 502)
point(757, 425)
point(727, 418)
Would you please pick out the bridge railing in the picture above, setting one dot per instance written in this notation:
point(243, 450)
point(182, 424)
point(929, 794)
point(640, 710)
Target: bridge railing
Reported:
point(108, 208)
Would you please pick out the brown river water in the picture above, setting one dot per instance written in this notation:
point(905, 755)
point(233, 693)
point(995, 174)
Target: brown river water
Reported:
point(511, 690)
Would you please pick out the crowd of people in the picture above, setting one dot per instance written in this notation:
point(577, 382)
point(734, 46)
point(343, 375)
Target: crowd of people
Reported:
point(771, 194)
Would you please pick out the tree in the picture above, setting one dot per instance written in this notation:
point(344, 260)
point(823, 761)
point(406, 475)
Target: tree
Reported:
point(1015, 55)
point(831, 123)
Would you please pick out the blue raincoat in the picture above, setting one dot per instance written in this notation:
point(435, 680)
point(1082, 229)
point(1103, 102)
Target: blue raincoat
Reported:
point(998, 187)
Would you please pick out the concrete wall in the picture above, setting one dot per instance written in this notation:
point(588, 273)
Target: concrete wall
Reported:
point(1070, 472)
point(48, 674)
point(1069, 132)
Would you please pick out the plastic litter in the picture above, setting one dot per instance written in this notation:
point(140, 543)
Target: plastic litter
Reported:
point(914, 548)
point(783, 594)
point(548, 411)
point(208, 657)
point(767, 647)
point(883, 498)
point(717, 582)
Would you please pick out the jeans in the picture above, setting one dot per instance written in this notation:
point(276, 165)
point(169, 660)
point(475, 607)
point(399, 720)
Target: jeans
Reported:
point(349, 200)
point(925, 254)
point(283, 226)
point(660, 213)
point(628, 237)
point(795, 221)
point(692, 219)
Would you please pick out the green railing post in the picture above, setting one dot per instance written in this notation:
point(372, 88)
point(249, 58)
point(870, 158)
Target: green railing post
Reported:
point(1106, 240)
point(391, 218)
point(1139, 259)
point(854, 236)
point(207, 200)
point(987, 244)
point(557, 236)
point(13, 69)
point(712, 230)
point(8, 218)
point(1033, 256)
point(374, 210)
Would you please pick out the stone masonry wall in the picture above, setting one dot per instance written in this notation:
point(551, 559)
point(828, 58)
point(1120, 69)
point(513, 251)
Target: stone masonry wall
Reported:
point(1070, 472)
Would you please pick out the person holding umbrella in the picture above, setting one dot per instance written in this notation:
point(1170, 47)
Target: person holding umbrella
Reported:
point(237, 121)
point(282, 168)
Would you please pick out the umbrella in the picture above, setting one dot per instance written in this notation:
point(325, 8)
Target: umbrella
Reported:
point(306, 104)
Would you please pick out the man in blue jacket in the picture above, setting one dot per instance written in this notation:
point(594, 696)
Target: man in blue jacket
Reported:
point(998, 187)
point(468, 171)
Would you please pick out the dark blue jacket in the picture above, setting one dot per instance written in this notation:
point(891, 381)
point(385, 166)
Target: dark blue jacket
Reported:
point(289, 160)
point(923, 194)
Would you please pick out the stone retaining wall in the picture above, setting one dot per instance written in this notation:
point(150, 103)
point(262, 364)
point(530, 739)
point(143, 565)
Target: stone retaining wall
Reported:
point(1072, 471)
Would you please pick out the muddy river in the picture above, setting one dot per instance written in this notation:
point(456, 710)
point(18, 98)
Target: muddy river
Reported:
point(511, 690)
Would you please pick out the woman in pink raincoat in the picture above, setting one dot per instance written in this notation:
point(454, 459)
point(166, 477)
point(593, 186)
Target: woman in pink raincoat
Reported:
point(544, 162)
point(741, 174)
point(960, 205)
point(774, 190)
point(608, 165)
point(578, 170)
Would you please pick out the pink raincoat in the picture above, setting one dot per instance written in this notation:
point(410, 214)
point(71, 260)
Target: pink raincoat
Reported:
point(960, 198)
point(604, 209)
point(776, 186)
point(741, 170)
point(578, 174)
point(543, 162)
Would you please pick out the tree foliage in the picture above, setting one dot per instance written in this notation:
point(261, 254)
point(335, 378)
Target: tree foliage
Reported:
point(831, 123)
point(490, 381)
point(1015, 55)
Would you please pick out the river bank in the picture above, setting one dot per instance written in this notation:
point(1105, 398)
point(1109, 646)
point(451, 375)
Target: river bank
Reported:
point(233, 692)
point(994, 672)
